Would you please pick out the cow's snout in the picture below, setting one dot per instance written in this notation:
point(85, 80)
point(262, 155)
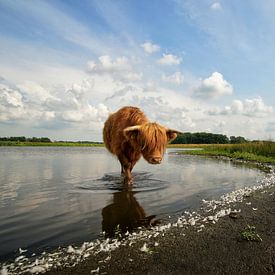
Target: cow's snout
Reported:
point(155, 160)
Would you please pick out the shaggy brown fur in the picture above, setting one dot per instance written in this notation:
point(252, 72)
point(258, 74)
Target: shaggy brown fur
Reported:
point(128, 134)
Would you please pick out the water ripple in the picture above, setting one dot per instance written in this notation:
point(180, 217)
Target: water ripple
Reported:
point(113, 182)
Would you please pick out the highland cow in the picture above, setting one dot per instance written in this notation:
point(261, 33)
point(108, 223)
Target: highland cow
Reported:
point(128, 134)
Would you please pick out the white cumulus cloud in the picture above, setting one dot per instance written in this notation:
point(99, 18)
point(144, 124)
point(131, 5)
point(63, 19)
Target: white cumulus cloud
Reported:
point(10, 97)
point(79, 90)
point(33, 104)
point(169, 59)
point(11, 104)
point(150, 48)
point(176, 78)
point(34, 92)
point(254, 107)
point(121, 68)
point(214, 86)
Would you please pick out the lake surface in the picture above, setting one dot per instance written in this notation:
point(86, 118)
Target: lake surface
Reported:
point(56, 196)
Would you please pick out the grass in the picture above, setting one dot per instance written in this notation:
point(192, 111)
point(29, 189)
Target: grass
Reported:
point(250, 234)
point(188, 145)
point(263, 152)
point(29, 143)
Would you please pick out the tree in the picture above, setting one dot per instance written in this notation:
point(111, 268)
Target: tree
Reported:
point(238, 139)
point(201, 138)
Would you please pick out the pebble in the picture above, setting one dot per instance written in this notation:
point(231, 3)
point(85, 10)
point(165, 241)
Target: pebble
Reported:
point(95, 271)
point(37, 269)
point(144, 248)
point(233, 215)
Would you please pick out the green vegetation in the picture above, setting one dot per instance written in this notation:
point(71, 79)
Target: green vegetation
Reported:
point(263, 151)
point(191, 146)
point(207, 138)
point(250, 234)
point(24, 139)
point(56, 143)
point(43, 141)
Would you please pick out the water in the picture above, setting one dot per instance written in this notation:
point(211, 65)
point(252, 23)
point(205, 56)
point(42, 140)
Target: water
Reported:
point(56, 196)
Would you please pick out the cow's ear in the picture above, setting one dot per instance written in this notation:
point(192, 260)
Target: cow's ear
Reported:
point(131, 132)
point(171, 134)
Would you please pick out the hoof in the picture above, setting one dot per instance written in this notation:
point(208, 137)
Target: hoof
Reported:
point(128, 182)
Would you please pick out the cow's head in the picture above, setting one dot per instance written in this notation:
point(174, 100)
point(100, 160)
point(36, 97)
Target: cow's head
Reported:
point(151, 139)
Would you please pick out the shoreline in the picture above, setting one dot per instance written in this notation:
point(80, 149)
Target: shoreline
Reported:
point(176, 247)
point(218, 248)
point(240, 157)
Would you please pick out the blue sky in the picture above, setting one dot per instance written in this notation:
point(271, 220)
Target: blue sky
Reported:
point(192, 65)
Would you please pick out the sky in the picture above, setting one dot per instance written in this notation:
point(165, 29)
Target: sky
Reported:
point(194, 66)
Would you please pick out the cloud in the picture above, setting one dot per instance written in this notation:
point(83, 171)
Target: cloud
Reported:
point(150, 48)
point(79, 90)
point(169, 59)
point(161, 109)
point(121, 92)
point(216, 6)
point(34, 92)
point(82, 108)
point(107, 64)
point(213, 86)
point(14, 107)
point(87, 114)
point(10, 97)
point(176, 78)
point(31, 103)
point(270, 127)
point(120, 67)
point(77, 107)
point(11, 105)
point(254, 107)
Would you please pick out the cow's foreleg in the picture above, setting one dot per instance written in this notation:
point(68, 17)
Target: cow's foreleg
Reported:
point(126, 168)
point(132, 164)
point(128, 176)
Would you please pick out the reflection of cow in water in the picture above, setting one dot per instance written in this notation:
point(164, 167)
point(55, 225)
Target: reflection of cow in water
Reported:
point(128, 134)
point(124, 213)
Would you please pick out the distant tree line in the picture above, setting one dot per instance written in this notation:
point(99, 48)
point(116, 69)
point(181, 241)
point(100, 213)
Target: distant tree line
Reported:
point(186, 138)
point(44, 139)
point(80, 142)
point(24, 139)
point(238, 140)
point(207, 138)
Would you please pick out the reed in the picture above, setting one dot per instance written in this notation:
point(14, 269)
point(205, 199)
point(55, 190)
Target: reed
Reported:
point(188, 145)
point(263, 151)
point(263, 148)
